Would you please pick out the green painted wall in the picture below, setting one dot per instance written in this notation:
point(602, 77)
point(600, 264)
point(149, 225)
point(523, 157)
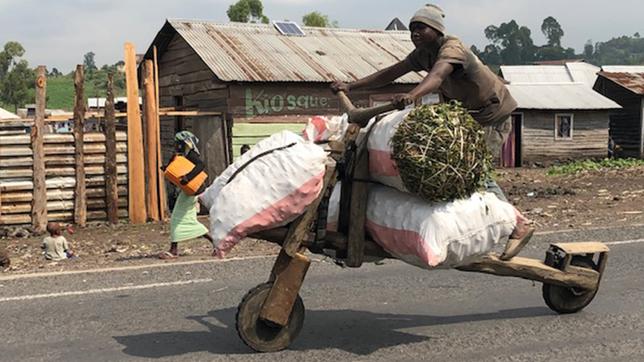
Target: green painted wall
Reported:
point(251, 133)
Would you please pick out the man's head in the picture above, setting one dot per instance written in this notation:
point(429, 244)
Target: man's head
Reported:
point(426, 25)
point(53, 228)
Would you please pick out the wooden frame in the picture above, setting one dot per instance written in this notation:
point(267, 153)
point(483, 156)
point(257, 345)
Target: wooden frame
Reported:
point(572, 126)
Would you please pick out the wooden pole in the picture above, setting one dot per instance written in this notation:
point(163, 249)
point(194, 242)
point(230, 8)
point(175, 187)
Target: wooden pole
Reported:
point(80, 196)
point(136, 173)
point(111, 186)
point(358, 208)
point(151, 135)
point(163, 199)
point(39, 203)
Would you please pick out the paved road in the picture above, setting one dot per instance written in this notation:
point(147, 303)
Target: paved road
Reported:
point(379, 312)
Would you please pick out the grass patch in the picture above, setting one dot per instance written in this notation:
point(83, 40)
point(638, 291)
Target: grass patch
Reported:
point(594, 165)
point(60, 92)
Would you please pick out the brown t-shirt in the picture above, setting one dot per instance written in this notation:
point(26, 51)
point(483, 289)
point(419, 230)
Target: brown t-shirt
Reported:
point(472, 83)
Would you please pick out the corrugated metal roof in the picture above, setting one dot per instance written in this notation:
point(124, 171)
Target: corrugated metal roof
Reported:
point(571, 96)
point(534, 74)
point(4, 114)
point(583, 72)
point(577, 72)
point(623, 68)
point(259, 53)
point(556, 87)
point(631, 81)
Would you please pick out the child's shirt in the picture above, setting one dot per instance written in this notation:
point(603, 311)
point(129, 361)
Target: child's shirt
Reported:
point(55, 247)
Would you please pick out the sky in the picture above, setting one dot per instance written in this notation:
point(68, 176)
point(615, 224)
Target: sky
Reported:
point(57, 33)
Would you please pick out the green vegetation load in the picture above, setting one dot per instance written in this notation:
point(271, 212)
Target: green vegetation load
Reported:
point(440, 152)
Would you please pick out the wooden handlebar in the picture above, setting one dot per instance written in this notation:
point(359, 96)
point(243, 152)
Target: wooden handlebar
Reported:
point(361, 116)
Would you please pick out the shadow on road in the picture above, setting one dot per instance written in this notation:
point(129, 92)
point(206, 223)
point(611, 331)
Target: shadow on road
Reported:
point(357, 332)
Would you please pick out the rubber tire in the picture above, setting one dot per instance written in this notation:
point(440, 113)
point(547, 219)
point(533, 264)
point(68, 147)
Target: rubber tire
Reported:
point(259, 335)
point(566, 300)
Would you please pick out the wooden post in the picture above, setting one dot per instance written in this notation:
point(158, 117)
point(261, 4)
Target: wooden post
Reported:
point(111, 185)
point(163, 199)
point(287, 277)
point(151, 135)
point(80, 196)
point(358, 208)
point(39, 203)
point(136, 173)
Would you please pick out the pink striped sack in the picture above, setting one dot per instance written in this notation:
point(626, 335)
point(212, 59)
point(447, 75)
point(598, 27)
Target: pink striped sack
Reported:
point(382, 167)
point(320, 128)
point(433, 235)
point(266, 187)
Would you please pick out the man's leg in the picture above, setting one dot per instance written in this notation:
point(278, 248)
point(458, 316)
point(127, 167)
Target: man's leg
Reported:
point(495, 136)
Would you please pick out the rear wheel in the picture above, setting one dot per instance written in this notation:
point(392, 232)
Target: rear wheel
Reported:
point(263, 336)
point(566, 300)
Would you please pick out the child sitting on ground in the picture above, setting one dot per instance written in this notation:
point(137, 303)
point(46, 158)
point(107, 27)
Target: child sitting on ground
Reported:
point(55, 245)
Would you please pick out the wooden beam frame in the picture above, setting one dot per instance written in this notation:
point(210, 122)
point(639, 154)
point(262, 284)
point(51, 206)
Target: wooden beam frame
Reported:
point(533, 269)
point(80, 196)
point(39, 203)
point(163, 198)
point(151, 125)
point(136, 173)
point(111, 182)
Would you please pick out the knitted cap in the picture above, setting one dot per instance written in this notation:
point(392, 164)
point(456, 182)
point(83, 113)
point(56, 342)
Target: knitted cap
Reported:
point(430, 15)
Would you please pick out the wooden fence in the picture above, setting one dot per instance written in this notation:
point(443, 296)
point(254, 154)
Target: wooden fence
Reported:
point(83, 176)
point(16, 176)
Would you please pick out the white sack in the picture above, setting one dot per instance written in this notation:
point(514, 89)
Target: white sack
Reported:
point(270, 191)
point(431, 235)
point(321, 128)
point(382, 167)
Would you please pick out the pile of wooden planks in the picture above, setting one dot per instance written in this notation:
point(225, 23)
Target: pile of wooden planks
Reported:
point(16, 175)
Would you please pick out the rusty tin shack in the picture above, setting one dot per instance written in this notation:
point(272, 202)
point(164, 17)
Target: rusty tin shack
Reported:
point(264, 74)
point(625, 85)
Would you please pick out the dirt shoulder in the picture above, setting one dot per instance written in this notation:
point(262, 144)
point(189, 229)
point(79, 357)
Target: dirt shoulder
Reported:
point(585, 200)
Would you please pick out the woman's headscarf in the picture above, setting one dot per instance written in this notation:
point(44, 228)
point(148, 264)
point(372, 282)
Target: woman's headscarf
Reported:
point(188, 139)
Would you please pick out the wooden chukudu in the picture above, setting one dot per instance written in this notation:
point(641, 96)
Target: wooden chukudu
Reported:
point(271, 315)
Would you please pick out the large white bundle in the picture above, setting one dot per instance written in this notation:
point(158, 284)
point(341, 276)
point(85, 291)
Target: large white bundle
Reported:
point(431, 235)
point(382, 167)
point(271, 185)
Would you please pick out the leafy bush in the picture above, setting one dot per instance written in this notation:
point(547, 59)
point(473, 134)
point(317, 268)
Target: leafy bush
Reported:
point(594, 165)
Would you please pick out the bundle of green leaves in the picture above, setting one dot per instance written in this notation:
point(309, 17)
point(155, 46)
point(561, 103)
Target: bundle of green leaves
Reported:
point(441, 153)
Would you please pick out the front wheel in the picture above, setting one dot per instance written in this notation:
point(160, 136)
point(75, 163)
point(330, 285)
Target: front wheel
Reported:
point(566, 300)
point(263, 336)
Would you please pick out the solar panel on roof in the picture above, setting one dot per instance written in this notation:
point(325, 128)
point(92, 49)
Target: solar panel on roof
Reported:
point(288, 28)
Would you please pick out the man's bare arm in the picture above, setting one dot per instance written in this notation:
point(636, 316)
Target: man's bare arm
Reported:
point(428, 85)
point(377, 79)
point(433, 80)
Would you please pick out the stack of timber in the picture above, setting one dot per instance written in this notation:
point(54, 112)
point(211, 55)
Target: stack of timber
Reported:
point(16, 176)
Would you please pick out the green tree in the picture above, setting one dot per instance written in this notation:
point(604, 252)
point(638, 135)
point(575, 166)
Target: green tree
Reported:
point(247, 11)
point(55, 72)
point(622, 50)
point(553, 31)
point(88, 62)
point(8, 57)
point(15, 75)
point(319, 20)
point(513, 42)
point(589, 50)
point(16, 84)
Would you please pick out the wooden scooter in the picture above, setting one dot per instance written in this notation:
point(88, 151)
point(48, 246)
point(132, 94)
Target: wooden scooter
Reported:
point(271, 315)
